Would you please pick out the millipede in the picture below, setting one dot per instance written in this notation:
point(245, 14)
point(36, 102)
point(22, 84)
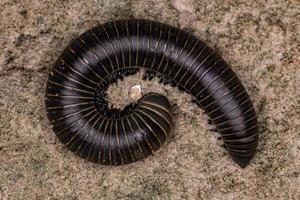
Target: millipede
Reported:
point(76, 92)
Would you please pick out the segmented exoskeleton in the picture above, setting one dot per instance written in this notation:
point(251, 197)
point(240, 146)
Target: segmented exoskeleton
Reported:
point(76, 91)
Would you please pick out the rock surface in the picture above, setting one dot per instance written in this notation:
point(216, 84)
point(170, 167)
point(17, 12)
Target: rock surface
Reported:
point(260, 39)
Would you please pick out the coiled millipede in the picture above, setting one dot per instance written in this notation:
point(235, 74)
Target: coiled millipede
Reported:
point(76, 92)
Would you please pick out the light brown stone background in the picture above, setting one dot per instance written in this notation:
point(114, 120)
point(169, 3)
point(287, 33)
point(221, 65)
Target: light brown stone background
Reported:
point(260, 39)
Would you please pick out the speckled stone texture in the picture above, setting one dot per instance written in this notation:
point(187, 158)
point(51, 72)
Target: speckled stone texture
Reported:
point(260, 39)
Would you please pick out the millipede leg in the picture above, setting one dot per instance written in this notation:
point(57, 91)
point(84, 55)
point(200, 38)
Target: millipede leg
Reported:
point(148, 75)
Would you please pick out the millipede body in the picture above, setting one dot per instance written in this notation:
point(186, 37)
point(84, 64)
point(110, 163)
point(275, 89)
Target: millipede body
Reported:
point(76, 92)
